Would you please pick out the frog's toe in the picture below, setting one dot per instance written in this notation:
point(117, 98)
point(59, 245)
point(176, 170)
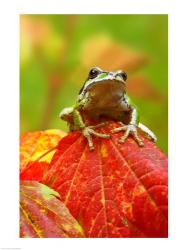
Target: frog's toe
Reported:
point(93, 132)
point(130, 129)
point(115, 130)
point(124, 137)
point(137, 139)
point(98, 125)
point(89, 131)
point(87, 134)
point(106, 136)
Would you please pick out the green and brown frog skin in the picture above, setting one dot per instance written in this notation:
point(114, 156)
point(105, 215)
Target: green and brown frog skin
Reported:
point(104, 94)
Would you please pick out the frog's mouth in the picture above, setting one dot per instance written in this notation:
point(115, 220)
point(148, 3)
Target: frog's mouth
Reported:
point(112, 84)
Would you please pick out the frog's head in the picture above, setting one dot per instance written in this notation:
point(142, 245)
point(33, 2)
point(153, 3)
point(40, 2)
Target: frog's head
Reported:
point(98, 77)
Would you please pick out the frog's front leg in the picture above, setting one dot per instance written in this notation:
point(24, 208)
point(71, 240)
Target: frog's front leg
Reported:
point(88, 131)
point(130, 129)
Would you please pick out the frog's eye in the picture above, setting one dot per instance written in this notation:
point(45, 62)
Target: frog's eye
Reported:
point(123, 75)
point(93, 73)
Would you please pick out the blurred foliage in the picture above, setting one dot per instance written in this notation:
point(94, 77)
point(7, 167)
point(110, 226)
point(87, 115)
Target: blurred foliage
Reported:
point(57, 51)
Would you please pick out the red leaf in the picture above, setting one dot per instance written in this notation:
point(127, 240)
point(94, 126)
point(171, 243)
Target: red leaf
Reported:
point(34, 171)
point(36, 151)
point(118, 190)
point(43, 215)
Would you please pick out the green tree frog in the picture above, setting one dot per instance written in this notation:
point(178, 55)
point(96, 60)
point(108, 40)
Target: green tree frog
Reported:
point(104, 93)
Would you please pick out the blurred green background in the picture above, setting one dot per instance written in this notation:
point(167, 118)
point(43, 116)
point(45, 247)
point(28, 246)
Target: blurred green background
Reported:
point(57, 51)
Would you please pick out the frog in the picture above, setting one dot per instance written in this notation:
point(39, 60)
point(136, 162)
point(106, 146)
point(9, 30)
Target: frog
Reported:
point(104, 94)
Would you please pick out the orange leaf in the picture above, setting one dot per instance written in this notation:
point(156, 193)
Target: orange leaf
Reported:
point(140, 87)
point(36, 151)
point(42, 215)
point(105, 49)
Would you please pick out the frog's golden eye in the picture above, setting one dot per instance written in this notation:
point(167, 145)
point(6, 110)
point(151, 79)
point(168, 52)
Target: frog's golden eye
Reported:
point(93, 73)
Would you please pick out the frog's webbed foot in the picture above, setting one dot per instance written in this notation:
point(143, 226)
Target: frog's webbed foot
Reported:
point(130, 129)
point(89, 131)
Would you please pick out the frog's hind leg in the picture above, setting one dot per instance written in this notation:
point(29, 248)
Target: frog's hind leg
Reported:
point(66, 114)
point(147, 132)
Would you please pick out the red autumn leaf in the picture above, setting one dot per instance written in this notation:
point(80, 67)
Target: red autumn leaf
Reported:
point(36, 151)
point(34, 171)
point(42, 215)
point(117, 190)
